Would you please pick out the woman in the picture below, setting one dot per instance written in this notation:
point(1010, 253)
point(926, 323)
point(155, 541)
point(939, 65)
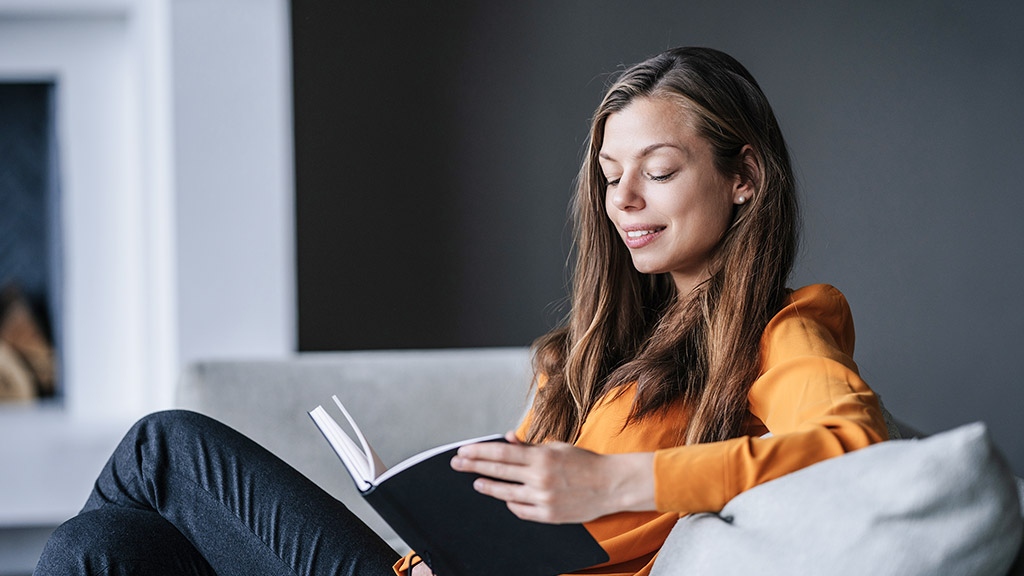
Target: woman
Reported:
point(682, 352)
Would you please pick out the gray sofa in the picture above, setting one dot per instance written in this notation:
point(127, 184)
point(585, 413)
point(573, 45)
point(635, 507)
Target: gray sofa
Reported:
point(942, 505)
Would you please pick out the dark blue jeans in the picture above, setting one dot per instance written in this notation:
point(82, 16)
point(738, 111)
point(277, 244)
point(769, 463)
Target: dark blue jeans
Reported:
point(185, 494)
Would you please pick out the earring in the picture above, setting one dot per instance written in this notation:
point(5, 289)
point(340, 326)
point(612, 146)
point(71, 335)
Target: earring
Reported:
point(741, 200)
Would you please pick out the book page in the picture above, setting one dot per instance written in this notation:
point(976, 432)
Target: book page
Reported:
point(417, 458)
point(350, 454)
point(362, 461)
point(376, 466)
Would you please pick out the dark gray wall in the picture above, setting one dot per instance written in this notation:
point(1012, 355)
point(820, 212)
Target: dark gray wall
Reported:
point(436, 148)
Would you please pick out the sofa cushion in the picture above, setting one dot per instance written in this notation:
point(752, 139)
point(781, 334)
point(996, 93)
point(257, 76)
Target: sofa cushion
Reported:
point(947, 504)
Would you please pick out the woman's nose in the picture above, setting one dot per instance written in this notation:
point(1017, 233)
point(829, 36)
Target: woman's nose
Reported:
point(627, 195)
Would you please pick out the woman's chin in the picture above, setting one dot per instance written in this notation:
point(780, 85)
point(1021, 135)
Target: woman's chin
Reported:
point(648, 267)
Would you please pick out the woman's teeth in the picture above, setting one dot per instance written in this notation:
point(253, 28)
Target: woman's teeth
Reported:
point(639, 233)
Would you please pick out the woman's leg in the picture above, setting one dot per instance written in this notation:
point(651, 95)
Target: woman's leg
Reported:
point(119, 541)
point(243, 509)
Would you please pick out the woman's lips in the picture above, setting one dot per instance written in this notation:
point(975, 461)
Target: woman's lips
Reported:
point(640, 236)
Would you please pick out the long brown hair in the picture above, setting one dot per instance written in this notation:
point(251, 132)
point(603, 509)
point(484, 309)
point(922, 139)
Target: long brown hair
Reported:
point(699, 349)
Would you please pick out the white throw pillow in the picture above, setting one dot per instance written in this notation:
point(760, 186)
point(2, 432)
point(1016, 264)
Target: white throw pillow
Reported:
point(943, 505)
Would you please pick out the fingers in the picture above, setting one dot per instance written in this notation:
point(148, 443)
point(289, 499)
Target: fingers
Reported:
point(508, 463)
point(501, 490)
point(556, 482)
point(531, 512)
point(521, 500)
point(528, 478)
point(512, 453)
point(512, 462)
point(500, 470)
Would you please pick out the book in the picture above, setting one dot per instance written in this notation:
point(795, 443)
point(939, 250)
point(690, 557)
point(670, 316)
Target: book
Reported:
point(456, 530)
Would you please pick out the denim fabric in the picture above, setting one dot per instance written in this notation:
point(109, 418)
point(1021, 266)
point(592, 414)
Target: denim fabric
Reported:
point(185, 494)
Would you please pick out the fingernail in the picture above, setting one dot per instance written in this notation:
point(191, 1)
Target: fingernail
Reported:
point(457, 462)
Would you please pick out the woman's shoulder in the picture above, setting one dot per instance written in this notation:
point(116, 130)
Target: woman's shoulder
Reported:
point(817, 295)
point(812, 314)
point(823, 301)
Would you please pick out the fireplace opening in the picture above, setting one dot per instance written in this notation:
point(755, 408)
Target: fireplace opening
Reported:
point(30, 262)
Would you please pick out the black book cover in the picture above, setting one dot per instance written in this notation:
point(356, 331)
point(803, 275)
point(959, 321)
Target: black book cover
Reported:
point(460, 532)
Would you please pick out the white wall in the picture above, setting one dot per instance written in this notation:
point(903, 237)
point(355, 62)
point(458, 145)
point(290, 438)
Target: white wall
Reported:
point(233, 169)
point(175, 135)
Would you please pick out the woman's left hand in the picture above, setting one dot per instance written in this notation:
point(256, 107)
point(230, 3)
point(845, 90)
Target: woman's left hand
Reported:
point(557, 483)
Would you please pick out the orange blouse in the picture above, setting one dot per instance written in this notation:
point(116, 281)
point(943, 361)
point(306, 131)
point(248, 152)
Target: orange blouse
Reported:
point(808, 395)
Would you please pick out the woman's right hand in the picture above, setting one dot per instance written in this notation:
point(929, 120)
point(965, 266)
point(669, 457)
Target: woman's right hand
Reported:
point(558, 483)
point(421, 569)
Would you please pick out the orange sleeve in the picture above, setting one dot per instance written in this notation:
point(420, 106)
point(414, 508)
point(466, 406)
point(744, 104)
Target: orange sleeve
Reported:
point(404, 565)
point(810, 397)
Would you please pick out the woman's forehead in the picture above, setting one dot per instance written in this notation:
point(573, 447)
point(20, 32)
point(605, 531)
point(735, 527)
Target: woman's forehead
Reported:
point(647, 126)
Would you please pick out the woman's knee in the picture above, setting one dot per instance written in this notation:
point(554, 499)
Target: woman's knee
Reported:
point(154, 445)
point(171, 429)
point(173, 421)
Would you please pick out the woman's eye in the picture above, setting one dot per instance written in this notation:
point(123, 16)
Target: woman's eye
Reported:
point(611, 183)
point(660, 177)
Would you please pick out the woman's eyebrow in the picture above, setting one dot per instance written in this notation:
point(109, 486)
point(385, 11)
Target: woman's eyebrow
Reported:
point(647, 150)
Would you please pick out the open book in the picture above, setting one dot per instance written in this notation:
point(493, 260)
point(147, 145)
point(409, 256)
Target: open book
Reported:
point(363, 463)
point(456, 530)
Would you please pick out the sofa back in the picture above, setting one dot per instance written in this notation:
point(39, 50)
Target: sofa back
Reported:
point(404, 401)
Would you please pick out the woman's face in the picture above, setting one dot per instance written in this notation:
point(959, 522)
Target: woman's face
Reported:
point(667, 200)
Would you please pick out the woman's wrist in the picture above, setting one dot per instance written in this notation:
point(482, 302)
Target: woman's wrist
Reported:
point(632, 481)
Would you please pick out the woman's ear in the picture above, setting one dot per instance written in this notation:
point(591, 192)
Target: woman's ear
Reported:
point(749, 176)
